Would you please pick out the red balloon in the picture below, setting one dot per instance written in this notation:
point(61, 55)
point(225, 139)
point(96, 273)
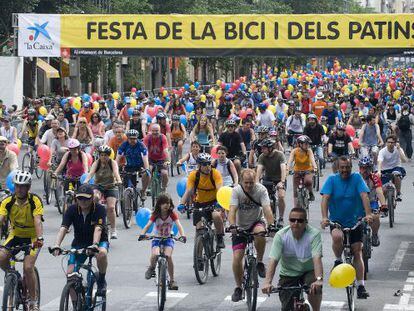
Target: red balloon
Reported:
point(377, 95)
point(152, 111)
point(213, 152)
point(43, 165)
point(237, 82)
point(90, 159)
point(312, 92)
point(14, 148)
point(383, 79)
point(94, 96)
point(356, 101)
point(343, 107)
point(349, 129)
point(285, 81)
point(43, 152)
point(357, 81)
point(320, 82)
point(410, 69)
point(345, 81)
point(393, 85)
point(243, 114)
point(133, 90)
point(355, 143)
point(287, 94)
point(161, 89)
point(369, 90)
point(71, 100)
point(223, 85)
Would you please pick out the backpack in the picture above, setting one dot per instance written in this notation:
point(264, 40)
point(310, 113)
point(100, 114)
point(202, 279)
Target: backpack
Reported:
point(31, 202)
point(404, 123)
point(214, 164)
point(197, 181)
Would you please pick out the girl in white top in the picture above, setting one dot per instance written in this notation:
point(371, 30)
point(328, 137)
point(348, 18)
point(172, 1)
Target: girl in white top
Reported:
point(225, 167)
point(191, 157)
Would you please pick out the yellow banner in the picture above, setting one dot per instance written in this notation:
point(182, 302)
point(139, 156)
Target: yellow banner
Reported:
point(237, 31)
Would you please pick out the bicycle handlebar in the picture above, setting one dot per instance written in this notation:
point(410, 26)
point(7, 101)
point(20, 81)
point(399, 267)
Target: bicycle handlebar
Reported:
point(155, 237)
point(289, 288)
point(339, 226)
point(80, 251)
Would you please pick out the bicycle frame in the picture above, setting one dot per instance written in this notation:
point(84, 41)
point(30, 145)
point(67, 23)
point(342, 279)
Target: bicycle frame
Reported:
point(299, 301)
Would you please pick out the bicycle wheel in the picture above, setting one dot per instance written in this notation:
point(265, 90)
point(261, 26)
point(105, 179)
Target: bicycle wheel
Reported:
point(46, 187)
point(155, 189)
point(215, 260)
point(366, 251)
point(37, 170)
point(162, 284)
point(173, 161)
point(251, 285)
point(70, 298)
point(201, 261)
point(316, 177)
point(98, 301)
point(128, 205)
point(9, 293)
point(26, 163)
point(37, 286)
point(58, 198)
point(390, 205)
point(350, 294)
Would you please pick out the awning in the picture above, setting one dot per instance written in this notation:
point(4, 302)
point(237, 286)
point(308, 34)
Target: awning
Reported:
point(49, 70)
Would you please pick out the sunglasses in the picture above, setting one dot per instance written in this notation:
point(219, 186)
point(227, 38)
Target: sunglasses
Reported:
point(82, 122)
point(83, 199)
point(298, 220)
point(205, 164)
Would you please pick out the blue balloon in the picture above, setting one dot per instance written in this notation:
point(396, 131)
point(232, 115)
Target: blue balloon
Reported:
point(167, 99)
point(187, 86)
point(157, 101)
point(315, 81)
point(86, 97)
point(174, 229)
point(242, 86)
point(266, 77)
point(83, 178)
point(40, 117)
point(183, 120)
point(63, 102)
point(75, 110)
point(9, 181)
point(127, 99)
point(149, 119)
point(397, 107)
point(189, 107)
point(130, 111)
point(196, 84)
point(279, 81)
point(227, 86)
point(280, 115)
point(142, 217)
point(181, 186)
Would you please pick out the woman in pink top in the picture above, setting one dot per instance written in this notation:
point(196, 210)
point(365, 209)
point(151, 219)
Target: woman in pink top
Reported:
point(97, 126)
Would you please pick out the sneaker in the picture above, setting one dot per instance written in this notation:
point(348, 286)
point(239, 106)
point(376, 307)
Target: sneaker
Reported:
point(101, 290)
point(114, 235)
point(398, 198)
point(220, 241)
point(311, 196)
point(337, 263)
point(237, 295)
point(375, 240)
point(150, 273)
point(172, 285)
point(279, 223)
point(362, 292)
point(261, 269)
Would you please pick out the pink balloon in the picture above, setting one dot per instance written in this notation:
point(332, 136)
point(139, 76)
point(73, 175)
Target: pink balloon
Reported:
point(161, 89)
point(223, 85)
point(90, 159)
point(377, 95)
point(237, 82)
point(349, 129)
point(320, 82)
point(356, 101)
point(44, 152)
point(213, 152)
point(95, 96)
point(43, 165)
point(383, 79)
point(243, 114)
point(133, 90)
point(152, 111)
point(355, 143)
point(287, 94)
point(14, 148)
point(343, 107)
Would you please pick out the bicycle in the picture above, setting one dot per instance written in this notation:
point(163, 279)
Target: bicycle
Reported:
point(250, 283)
point(206, 252)
point(156, 182)
point(390, 195)
point(274, 199)
point(317, 175)
point(162, 275)
point(4, 232)
point(68, 195)
point(303, 192)
point(129, 200)
point(350, 290)
point(299, 301)
point(77, 295)
point(174, 158)
point(366, 246)
point(30, 163)
point(15, 293)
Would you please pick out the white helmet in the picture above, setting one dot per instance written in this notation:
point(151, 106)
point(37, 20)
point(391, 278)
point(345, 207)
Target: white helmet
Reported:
point(73, 143)
point(22, 178)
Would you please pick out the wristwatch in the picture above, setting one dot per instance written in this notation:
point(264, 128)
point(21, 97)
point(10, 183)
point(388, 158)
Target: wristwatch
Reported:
point(319, 278)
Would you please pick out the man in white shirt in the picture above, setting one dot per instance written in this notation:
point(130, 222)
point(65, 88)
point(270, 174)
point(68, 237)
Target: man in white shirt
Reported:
point(265, 117)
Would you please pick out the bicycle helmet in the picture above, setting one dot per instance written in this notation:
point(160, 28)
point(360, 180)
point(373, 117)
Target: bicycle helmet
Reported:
point(87, 105)
point(341, 126)
point(105, 149)
point(176, 117)
point(204, 158)
point(324, 118)
point(161, 115)
point(297, 109)
point(262, 129)
point(312, 116)
point(22, 178)
point(73, 143)
point(4, 139)
point(31, 112)
point(366, 161)
point(132, 134)
point(136, 111)
point(230, 123)
point(99, 141)
point(269, 143)
point(302, 139)
point(262, 106)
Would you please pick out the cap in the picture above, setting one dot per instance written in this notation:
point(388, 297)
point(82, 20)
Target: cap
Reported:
point(85, 191)
point(49, 117)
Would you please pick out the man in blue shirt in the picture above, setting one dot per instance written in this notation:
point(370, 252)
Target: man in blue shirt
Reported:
point(332, 114)
point(136, 156)
point(345, 195)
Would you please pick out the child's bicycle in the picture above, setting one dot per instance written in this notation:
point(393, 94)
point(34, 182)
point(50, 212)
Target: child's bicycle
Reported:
point(162, 268)
point(75, 295)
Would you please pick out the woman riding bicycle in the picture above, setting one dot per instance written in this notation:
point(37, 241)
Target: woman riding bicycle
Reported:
point(203, 132)
point(191, 157)
point(107, 177)
point(97, 126)
point(304, 161)
point(83, 134)
point(59, 146)
point(178, 134)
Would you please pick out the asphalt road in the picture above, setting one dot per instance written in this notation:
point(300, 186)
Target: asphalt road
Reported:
point(390, 267)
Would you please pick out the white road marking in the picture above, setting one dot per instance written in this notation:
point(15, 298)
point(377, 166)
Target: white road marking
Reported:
point(169, 295)
point(404, 303)
point(332, 304)
point(150, 301)
point(399, 256)
point(53, 305)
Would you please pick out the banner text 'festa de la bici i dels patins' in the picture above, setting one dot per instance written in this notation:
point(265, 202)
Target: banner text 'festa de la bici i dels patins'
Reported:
point(214, 35)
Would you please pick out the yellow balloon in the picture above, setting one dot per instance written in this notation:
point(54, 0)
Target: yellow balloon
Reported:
point(342, 276)
point(271, 108)
point(218, 82)
point(19, 143)
point(192, 87)
point(96, 106)
point(299, 95)
point(218, 94)
point(224, 196)
point(165, 93)
point(116, 95)
point(396, 94)
point(264, 88)
point(133, 102)
point(43, 110)
point(290, 87)
point(77, 103)
point(203, 98)
point(212, 91)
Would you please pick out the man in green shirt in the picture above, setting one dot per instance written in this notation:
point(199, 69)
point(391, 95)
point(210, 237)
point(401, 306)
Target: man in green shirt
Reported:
point(298, 248)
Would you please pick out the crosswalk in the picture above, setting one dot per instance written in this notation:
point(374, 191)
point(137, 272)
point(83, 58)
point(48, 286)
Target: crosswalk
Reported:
point(406, 302)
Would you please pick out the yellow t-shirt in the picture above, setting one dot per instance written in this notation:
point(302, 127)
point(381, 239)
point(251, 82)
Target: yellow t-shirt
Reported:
point(302, 160)
point(205, 192)
point(21, 216)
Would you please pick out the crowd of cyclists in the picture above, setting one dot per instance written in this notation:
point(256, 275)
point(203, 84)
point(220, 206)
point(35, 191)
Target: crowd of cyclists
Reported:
point(250, 135)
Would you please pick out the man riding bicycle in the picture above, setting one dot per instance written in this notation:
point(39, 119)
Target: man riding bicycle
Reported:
point(345, 196)
point(89, 222)
point(8, 161)
point(25, 211)
point(370, 138)
point(315, 132)
point(204, 183)
point(298, 248)
point(256, 150)
point(272, 163)
point(249, 206)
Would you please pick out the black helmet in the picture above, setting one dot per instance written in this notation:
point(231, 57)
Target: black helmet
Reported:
point(268, 142)
point(303, 139)
point(161, 115)
point(262, 129)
